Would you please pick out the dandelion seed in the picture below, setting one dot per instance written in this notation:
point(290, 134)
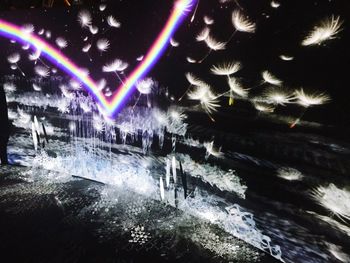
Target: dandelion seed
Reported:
point(174, 43)
point(289, 174)
point(102, 7)
point(334, 199)
point(112, 22)
point(115, 65)
point(242, 23)
point(41, 32)
point(278, 96)
point(263, 107)
point(34, 56)
point(227, 68)
point(61, 42)
point(42, 71)
point(275, 4)
point(140, 58)
point(212, 150)
point(103, 44)
point(269, 78)
point(86, 48)
point(36, 87)
point(26, 47)
point(193, 80)
point(326, 30)
point(202, 36)
point(307, 100)
point(14, 58)
point(27, 29)
point(101, 84)
point(237, 88)
point(191, 60)
point(48, 34)
point(145, 86)
point(200, 90)
point(213, 44)
point(286, 58)
point(208, 20)
point(93, 30)
point(84, 18)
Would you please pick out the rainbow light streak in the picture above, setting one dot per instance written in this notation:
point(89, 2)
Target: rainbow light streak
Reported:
point(109, 108)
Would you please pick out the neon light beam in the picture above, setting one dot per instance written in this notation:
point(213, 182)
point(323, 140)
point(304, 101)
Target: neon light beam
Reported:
point(107, 107)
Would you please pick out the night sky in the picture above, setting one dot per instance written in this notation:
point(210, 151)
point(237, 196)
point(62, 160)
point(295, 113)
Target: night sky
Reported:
point(279, 31)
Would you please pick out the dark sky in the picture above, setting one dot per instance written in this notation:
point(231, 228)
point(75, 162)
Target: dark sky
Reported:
point(279, 31)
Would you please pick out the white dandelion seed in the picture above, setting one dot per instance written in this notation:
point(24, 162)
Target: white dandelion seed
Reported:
point(26, 47)
point(278, 96)
point(84, 18)
point(93, 29)
point(263, 107)
point(242, 23)
point(191, 60)
point(54, 70)
point(286, 58)
point(14, 58)
point(35, 55)
point(212, 150)
point(201, 36)
point(42, 71)
point(115, 65)
point(145, 86)
point(174, 43)
point(27, 29)
point(237, 88)
point(208, 20)
point(36, 87)
point(200, 90)
point(102, 7)
point(326, 30)
point(275, 4)
point(226, 68)
point(289, 174)
point(61, 42)
point(48, 34)
point(193, 80)
point(103, 44)
point(101, 84)
point(334, 199)
point(213, 45)
point(269, 78)
point(206, 97)
point(41, 32)
point(86, 48)
point(307, 100)
point(140, 58)
point(113, 22)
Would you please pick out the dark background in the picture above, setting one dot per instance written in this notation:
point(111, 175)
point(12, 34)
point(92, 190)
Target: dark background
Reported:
point(279, 31)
